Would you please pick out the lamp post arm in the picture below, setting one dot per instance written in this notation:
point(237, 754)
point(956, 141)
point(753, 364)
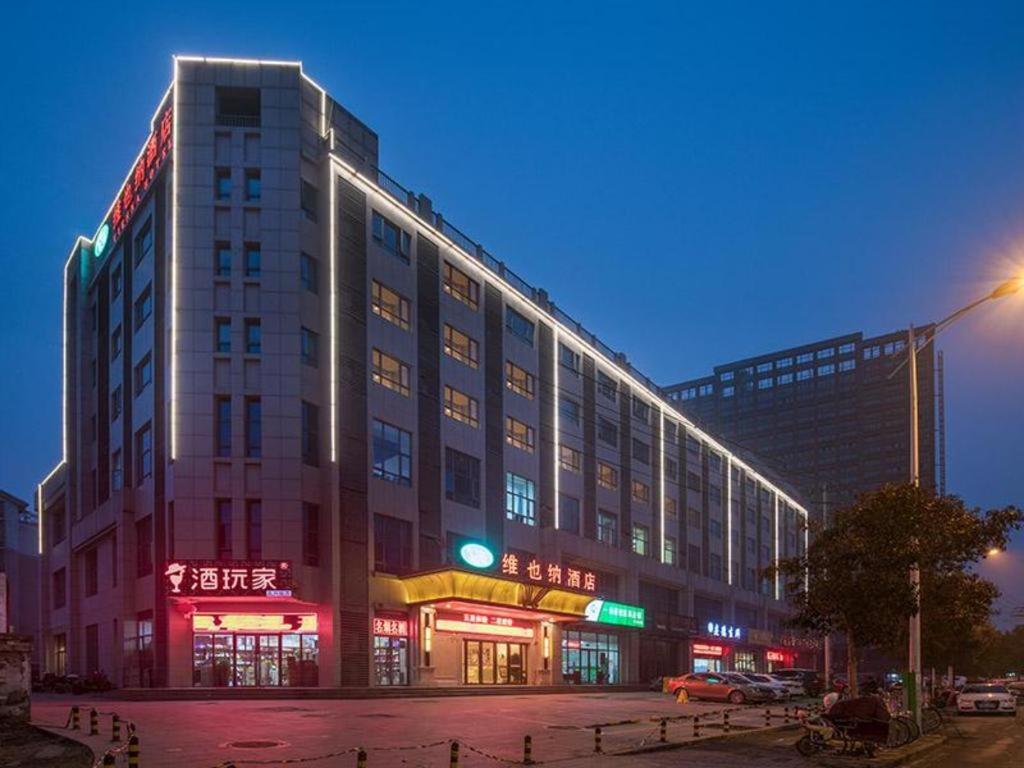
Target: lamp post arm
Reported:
point(940, 326)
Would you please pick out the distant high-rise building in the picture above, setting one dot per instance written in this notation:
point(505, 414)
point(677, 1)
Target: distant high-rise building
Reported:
point(19, 564)
point(827, 415)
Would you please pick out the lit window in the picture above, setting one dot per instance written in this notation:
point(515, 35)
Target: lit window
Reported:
point(607, 527)
point(570, 459)
point(671, 555)
point(461, 407)
point(390, 372)
point(461, 286)
point(518, 434)
point(641, 539)
point(253, 185)
point(607, 476)
point(670, 506)
point(520, 504)
point(726, 376)
point(641, 491)
point(519, 380)
point(847, 365)
point(460, 346)
point(826, 370)
point(392, 453)
point(390, 305)
point(222, 184)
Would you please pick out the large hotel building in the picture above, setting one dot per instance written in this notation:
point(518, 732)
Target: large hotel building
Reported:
point(314, 435)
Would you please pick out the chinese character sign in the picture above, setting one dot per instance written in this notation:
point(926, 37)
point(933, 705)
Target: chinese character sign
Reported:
point(389, 627)
point(724, 630)
point(141, 177)
point(535, 571)
point(235, 579)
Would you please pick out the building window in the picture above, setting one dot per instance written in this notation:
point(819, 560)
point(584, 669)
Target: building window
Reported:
point(870, 353)
point(568, 513)
point(116, 402)
point(765, 383)
point(222, 334)
point(310, 347)
point(518, 380)
point(847, 365)
point(144, 241)
point(568, 410)
point(461, 407)
point(671, 509)
point(225, 550)
point(143, 454)
point(461, 286)
point(805, 374)
point(785, 378)
point(826, 370)
point(607, 387)
point(693, 558)
point(390, 305)
point(143, 306)
point(117, 470)
point(460, 346)
point(253, 259)
point(254, 529)
point(253, 336)
point(390, 372)
point(59, 588)
point(222, 431)
point(569, 359)
point(253, 427)
point(518, 434)
point(641, 410)
point(222, 259)
point(518, 325)
point(607, 431)
point(641, 491)
point(570, 459)
point(705, 389)
point(671, 555)
point(392, 237)
point(641, 539)
point(728, 391)
point(519, 499)
point(310, 434)
point(92, 578)
point(392, 453)
point(144, 546)
point(824, 354)
point(641, 451)
point(309, 273)
point(222, 184)
point(607, 476)
point(607, 527)
point(392, 545)
point(253, 185)
point(715, 566)
point(308, 198)
point(143, 374)
point(310, 534)
point(115, 343)
point(462, 478)
point(804, 357)
point(671, 468)
point(715, 528)
point(116, 282)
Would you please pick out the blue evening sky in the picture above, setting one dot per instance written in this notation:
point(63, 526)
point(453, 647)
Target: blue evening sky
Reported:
point(696, 182)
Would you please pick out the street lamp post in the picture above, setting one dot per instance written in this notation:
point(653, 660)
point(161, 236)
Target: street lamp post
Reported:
point(1006, 288)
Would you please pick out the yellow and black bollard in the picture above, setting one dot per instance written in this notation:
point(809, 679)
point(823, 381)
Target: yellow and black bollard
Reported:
point(696, 726)
point(94, 722)
point(108, 758)
point(74, 718)
point(361, 758)
point(725, 721)
point(133, 751)
point(453, 761)
point(767, 717)
point(597, 739)
point(527, 750)
point(786, 715)
point(115, 728)
point(664, 730)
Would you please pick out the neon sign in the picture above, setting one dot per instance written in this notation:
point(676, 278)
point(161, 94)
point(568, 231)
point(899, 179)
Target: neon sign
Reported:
point(476, 555)
point(724, 630)
point(141, 177)
point(703, 649)
point(620, 614)
point(99, 245)
point(390, 627)
point(552, 574)
point(206, 578)
point(254, 622)
point(483, 624)
point(774, 656)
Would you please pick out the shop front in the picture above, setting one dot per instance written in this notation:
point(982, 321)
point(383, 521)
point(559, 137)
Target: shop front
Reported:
point(246, 628)
point(723, 648)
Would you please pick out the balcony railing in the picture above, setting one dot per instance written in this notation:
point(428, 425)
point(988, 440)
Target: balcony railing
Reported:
point(239, 121)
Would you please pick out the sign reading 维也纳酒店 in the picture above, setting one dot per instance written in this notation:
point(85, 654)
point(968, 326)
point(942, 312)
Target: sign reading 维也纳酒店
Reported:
point(620, 614)
point(243, 578)
point(524, 567)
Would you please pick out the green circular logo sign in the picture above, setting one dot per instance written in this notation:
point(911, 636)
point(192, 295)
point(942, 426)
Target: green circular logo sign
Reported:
point(476, 555)
point(99, 245)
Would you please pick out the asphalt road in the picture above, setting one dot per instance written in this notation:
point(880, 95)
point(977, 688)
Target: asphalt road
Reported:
point(990, 741)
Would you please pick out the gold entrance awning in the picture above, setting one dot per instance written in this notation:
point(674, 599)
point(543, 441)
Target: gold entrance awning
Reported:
point(455, 584)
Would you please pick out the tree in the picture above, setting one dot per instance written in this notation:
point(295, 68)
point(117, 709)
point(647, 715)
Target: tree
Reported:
point(853, 578)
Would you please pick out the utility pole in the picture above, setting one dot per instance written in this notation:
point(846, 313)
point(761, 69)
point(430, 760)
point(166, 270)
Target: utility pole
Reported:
point(828, 637)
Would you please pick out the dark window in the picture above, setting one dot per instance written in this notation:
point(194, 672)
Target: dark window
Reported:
point(392, 453)
point(58, 524)
point(143, 454)
point(253, 259)
point(641, 451)
point(518, 325)
point(462, 478)
point(143, 374)
point(238, 107)
point(222, 259)
point(693, 481)
point(607, 386)
point(671, 468)
point(253, 184)
point(115, 403)
point(310, 533)
point(222, 432)
point(308, 272)
point(144, 546)
point(254, 529)
point(253, 427)
point(143, 306)
point(222, 184)
point(59, 588)
point(693, 558)
point(392, 237)
point(116, 282)
point(568, 513)
point(310, 434)
point(308, 194)
point(310, 347)
point(253, 336)
point(569, 359)
point(144, 241)
point(117, 471)
point(222, 334)
point(392, 544)
point(92, 579)
point(607, 431)
point(223, 528)
point(115, 343)
point(569, 410)
point(641, 410)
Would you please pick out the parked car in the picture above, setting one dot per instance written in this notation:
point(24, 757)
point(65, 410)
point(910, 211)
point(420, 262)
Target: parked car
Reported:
point(986, 698)
point(719, 686)
point(1017, 689)
point(794, 685)
point(809, 677)
point(779, 689)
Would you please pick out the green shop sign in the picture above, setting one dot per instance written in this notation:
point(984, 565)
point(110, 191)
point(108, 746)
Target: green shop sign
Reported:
point(608, 612)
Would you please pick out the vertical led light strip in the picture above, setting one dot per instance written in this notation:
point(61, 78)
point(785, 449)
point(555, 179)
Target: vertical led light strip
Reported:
point(807, 576)
point(776, 495)
point(333, 312)
point(558, 446)
point(728, 515)
point(661, 481)
point(173, 314)
point(39, 516)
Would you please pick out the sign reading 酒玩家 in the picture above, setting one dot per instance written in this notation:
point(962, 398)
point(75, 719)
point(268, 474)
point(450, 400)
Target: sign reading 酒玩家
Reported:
point(608, 612)
point(207, 578)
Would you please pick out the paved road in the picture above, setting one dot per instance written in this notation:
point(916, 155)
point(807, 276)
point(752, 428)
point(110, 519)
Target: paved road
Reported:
point(993, 742)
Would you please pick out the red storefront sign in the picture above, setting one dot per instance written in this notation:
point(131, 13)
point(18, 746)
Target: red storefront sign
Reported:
point(774, 656)
point(388, 627)
point(205, 578)
point(254, 622)
point(706, 649)
point(142, 175)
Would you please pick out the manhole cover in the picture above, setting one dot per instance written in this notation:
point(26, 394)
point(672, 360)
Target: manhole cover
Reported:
point(255, 744)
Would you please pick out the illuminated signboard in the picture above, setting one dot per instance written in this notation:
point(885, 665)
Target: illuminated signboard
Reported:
point(703, 649)
point(254, 622)
point(608, 612)
point(99, 245)
point(483, 624)
point(390, 627)
point(206, 578)
point(142, 175)
point(724, 630)
point(551, 574)
point(774, 656)
point(476, 555)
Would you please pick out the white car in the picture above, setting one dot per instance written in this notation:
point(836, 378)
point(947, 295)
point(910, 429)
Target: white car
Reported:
point(779, 689)
point(981, 698)
point(794, 685)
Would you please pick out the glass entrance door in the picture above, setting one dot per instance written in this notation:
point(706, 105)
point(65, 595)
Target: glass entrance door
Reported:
point(496, 663)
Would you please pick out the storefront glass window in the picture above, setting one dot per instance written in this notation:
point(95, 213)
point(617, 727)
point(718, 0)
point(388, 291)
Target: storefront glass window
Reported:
point(488, 663)
point(745, 662)
point(590, 658)
point(391, 660)
point(706, 665)
point(251, 660)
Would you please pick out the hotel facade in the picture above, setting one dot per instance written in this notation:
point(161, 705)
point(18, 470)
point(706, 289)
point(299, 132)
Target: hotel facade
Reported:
point(314, 435)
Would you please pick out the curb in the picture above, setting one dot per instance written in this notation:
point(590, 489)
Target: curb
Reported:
point(922, 746)
point(659, 747)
